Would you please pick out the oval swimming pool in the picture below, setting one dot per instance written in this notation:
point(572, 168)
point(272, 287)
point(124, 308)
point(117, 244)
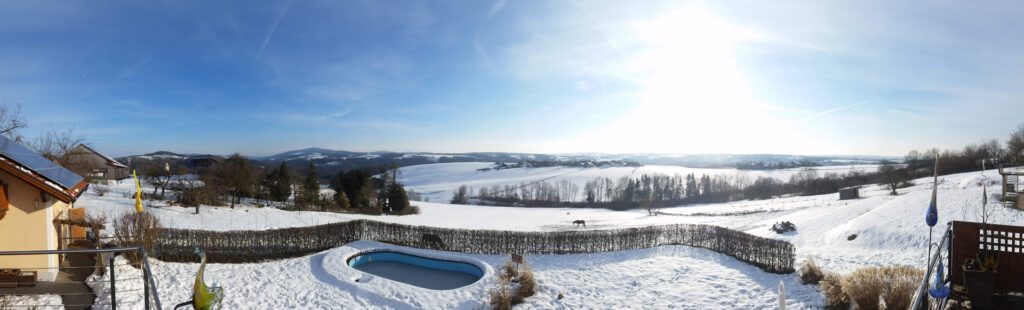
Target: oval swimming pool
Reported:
point(435, 274)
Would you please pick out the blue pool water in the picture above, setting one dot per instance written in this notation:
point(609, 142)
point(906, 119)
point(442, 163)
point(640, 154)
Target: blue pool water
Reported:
point(424, 272)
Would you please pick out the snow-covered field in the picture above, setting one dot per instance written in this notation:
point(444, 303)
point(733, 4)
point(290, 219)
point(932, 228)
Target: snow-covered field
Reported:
point(38, 302)
point(436, 181)
point(889, 229)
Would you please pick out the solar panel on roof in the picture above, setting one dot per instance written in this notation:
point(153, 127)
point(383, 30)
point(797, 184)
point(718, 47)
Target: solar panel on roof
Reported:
point(35, 162)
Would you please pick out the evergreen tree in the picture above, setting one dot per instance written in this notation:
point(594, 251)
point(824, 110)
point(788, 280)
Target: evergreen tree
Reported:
point(279, 183)
point(356, 186)
point(691, 186)
point(309, 191)
point(398, 201)
point(342, 200)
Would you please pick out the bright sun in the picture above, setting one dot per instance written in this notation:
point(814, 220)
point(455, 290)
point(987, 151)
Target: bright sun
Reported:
point(693, 94)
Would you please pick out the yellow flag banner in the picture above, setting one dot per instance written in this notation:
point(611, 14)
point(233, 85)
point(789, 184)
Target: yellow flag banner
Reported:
point(138, 193)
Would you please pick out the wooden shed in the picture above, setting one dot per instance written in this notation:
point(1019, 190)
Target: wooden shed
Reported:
point(87, 161)
point(849, 193)
point(1012, 186)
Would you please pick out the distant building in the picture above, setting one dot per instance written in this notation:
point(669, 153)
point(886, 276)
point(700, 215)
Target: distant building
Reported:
point(849, 193)
point(86, 161)
point(34, 194)
point(1012, 187)
point(202, 162)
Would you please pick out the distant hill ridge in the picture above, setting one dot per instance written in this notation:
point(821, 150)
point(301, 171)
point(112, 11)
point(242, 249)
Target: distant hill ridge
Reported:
point(329, 162)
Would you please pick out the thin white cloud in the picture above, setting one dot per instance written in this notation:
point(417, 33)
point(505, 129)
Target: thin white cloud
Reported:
point(833, 110)
point(480, 49)
point(583, 85)
point(273, 28)
point(134, 68)
point(496, 8)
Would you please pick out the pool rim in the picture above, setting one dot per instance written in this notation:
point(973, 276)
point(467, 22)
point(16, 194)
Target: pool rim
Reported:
point(485, 268)
point(482, 271)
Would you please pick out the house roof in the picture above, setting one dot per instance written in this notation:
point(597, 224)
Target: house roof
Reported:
point(110, 161)
point(40, 172)
point(205, 157)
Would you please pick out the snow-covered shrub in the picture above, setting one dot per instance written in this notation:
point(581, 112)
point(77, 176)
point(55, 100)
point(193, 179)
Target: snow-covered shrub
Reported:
point(100, 190)
point(135, 229)
point(783, 227)
point(810, 273)
point(888, 287)
point(832, 288)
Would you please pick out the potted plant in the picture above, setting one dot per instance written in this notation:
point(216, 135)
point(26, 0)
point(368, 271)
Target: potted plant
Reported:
point(980, 277)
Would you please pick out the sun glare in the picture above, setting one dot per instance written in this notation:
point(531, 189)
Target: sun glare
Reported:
point(691, 82)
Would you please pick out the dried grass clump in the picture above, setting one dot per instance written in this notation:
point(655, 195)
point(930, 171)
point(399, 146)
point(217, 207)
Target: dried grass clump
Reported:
point(902, 282)
point(514, 286)
point(135, 229)
point(888, 287)
point(832, 287)
point(810, 273)
point(527, 283)
point(508, 271)
point(501, 297)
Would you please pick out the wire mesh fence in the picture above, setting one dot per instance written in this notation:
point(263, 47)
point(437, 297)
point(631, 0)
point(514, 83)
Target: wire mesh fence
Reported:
point(104, 284)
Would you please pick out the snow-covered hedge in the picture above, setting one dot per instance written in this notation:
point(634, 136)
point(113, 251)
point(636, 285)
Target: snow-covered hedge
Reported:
point(250, 246)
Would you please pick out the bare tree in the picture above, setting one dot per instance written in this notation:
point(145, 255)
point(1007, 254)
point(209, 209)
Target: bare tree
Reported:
point(893, 176)
point(461, 195)
point(159, 174)
point(1015, 146)
point(57, 146)
point(235, 176)
point(804, 179)
point(11, 121)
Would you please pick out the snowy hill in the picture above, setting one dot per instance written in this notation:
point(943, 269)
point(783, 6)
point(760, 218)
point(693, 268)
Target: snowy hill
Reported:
point(435, 182)
point(734, 160)
point(889, 230)
point(159, 155)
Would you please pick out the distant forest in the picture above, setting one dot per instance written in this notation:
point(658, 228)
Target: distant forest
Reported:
point(658, 190)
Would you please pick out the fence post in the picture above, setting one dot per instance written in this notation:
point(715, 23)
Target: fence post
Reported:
point(145, 277)
point(113, 287)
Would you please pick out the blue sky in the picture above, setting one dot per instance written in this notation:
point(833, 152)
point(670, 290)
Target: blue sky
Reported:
point(261, 77)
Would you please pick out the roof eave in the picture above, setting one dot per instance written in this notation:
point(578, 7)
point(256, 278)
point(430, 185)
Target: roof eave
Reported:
point(40, 183)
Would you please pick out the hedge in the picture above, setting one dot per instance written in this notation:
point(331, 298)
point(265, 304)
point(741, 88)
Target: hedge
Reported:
point(177, 245)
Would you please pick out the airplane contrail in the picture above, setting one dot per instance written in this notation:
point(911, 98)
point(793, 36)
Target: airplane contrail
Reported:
point(822, 113)
point(273, 28)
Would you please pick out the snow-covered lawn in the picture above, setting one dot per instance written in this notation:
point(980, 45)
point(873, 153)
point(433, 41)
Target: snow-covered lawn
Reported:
point(40, 302)
point(889, 229)
point(659, 278)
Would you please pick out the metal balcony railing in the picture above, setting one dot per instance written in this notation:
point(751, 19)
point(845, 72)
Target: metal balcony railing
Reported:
point(150, 295)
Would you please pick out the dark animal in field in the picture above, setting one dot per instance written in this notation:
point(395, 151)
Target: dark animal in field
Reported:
point(580, 222)
point(432, 241)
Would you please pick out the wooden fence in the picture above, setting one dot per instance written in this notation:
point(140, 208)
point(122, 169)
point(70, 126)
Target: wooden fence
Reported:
point(251, 246)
